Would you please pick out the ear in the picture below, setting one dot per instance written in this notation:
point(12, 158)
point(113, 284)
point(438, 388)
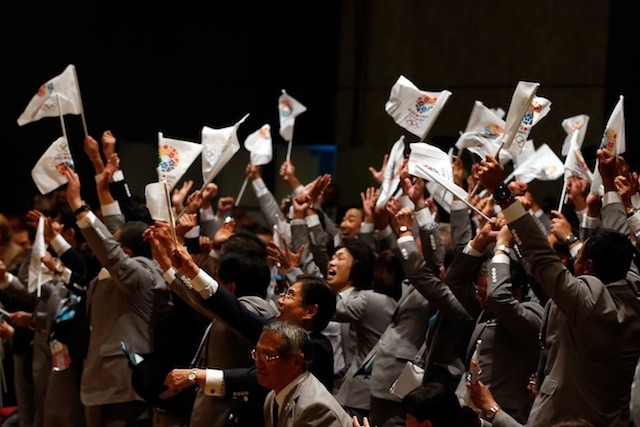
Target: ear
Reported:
point(588, 266)
point(299, 360)
point(311, 311)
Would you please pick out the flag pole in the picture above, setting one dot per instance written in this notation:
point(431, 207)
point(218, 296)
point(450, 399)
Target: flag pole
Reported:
point(244, 185)
point(64, 129)
point(288, 158)
point(172, 223)
point(84, 122)
point(562, 195)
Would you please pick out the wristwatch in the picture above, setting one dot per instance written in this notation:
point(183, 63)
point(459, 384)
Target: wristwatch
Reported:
point(491, 413)
point(82, 208)
point(571, 239)
point(193, 375)
point(503, 196)
point(504, 248)
point(404, 228)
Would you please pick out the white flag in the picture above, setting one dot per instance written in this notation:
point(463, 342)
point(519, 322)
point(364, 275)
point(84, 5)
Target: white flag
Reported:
point(570, 125)
point(613, 138)
point(543, 165)
point(431, 158)
point(219, 147)
point(259, 146)
point(391, 174)
point(521, 104)
point(527, 151)
point(574, 163)
point(38, 250)
point(155, 200)
point(65, 88)
point(175, 156)
point(288, 109)
point(47, 173)
point(414, 109)
point(481, 134)
point(432, 164)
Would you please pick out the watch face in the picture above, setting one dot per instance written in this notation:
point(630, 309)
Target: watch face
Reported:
point(502, 194)
point(192, 376)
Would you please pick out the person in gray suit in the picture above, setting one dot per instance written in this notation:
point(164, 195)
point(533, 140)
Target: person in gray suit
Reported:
point(504, 345)
point(297, 398)
point(592, 321)
point(351, 273)
point(124, 302)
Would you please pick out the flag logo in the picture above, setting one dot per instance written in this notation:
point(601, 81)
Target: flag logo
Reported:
point(168, 158)
point(425, 103)
point(493, 130)
point(609, 139)
point(285, 108)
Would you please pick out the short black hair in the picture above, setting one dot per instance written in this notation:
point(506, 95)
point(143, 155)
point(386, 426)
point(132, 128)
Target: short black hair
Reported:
point(249, 272)
point(361, 273)
point(131, 237)
point(611, 253)
point(438, 404)
point(247, 242)
point(388, 274)
point(317, 291)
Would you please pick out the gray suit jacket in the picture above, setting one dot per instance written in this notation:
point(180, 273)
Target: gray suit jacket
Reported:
point(510, 347)
point(592, 333)
point(308, 404)
point(448, 336)
point(370, 313)
point(123, 305)
point(399, 343)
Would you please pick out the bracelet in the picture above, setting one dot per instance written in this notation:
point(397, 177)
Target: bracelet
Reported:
point(631, 213)
point(82, 208)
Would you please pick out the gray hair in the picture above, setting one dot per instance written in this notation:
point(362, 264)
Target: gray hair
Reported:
point(295, 340)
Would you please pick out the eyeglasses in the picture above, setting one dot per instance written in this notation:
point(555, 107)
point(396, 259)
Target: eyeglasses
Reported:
point(289, 295)
point(255, 355)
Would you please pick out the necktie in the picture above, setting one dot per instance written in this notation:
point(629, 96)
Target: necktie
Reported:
point(276, 409)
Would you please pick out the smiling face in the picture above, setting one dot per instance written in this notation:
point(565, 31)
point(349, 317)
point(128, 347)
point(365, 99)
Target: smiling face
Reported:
point(339, 270)
point(351, 222)
point(291, 306)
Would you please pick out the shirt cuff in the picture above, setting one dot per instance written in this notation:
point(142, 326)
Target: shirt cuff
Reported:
point(59, 244)
point(590, 223)
point(575, 249)
point(169, 275)
point(298, 222)
point(405, 239)
point(111, 209)
point(513, 212)
point(312, 220)
point(207, 215)
point(117, 176)
point(87, 221)
point(366, 227)
point(194, 233)
point(296, 191)
point(501, 259)
point(635, 201)
point(469, 250)
point(611, 197)
point(214, 383)
point(425, 218)
point(458, 205)
point(204, 283)
point(634, 223)
point(259, 187)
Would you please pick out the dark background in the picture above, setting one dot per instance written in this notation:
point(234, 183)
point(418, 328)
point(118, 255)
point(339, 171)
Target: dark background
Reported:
point(176, 68)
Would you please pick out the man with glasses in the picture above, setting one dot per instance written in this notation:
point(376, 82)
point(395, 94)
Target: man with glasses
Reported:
point(283, 355)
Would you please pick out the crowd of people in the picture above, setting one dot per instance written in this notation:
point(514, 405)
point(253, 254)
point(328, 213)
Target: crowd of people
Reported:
point(409, 312)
